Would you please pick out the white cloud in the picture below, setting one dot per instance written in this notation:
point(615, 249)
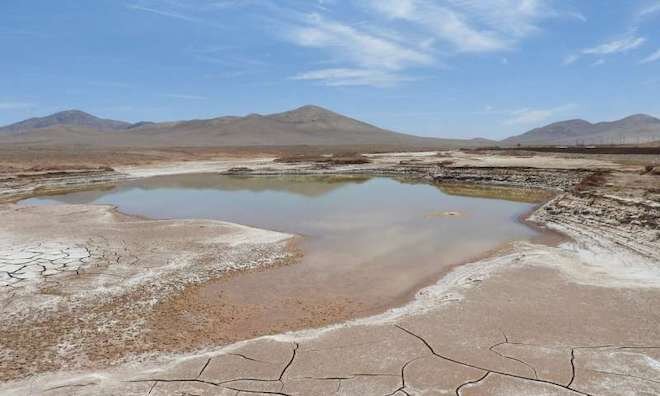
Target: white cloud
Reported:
point(649, 10)
point(194, 11)
point(352, 77)
point(416, 33)
point(616, 46)
point(382, 38)
point(598, 62)
point(444, 23)
point(570, 59)
point(576, 15)
point(513, 17)
point(165, 13)
point(357, 46)
point(470, 25)
point(528, 116)
point(651, 58)
point(404, 9)
point(374, 58)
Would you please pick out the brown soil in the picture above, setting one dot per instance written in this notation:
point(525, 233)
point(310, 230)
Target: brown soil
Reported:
point(249, 304)
point(534, 306)
point(334, 159)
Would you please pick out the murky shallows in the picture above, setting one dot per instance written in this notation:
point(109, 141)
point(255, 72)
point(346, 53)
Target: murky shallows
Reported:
point(368, 241)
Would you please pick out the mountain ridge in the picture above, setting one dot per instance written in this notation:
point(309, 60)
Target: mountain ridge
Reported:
point(304, 126)
point(71, 117)
point(636, 128)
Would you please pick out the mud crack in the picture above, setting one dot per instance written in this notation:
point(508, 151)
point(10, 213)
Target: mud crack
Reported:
point(498, 372)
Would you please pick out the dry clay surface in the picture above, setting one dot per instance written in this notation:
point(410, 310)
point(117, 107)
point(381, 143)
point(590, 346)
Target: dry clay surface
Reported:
point(574, 319)
point(516, 324)
point(578, 318)
point(41, 244)
point(78, 281)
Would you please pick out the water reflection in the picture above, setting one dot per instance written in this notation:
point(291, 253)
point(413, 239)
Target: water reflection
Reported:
point(371, 240)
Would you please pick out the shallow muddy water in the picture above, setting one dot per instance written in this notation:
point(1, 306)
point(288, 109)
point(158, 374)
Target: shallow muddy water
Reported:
point(369, 243)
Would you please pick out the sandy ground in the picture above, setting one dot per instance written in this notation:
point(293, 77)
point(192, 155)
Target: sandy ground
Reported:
point(577, 318)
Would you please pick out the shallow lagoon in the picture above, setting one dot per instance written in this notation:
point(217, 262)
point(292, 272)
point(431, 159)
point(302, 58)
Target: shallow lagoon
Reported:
point(369, 242)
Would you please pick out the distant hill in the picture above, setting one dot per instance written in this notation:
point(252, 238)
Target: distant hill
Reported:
point(307, 125)
point(69, 118)
point(638, 128)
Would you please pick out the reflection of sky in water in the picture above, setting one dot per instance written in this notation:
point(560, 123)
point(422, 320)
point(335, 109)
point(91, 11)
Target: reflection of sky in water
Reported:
point(380, 220)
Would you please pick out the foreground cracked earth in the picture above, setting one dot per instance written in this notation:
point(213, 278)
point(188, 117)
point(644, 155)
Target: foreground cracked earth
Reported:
point(511, 325)
point(421, 369)
point(34, 262)
point(580, 318)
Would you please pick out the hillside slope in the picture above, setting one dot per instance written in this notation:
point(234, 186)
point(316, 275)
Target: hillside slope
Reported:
point(638, 128)
point(305, 126)
point(69, 118)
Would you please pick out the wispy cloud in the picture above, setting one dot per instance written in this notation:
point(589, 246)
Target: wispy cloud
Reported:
point(355, 45)
point(194, 11)
point(616, 46)
point(396, 36)
point(627, 42)
point(352, 77)
point(527, 116)
point(374, 58)
point(651, 58)
point(185, 97)
point(619, 46)
point(649, 10)
point(443, 23)
point(380, 42)
point(576, 15)
point(163, 12)
point(472, 26)
point(570, 59)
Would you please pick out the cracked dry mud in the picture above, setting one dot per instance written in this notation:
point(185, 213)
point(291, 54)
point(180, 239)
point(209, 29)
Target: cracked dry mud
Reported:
point(87, 294)
point(580, 318)
point(40, 260)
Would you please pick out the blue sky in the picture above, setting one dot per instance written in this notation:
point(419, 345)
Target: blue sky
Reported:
point(452, 68)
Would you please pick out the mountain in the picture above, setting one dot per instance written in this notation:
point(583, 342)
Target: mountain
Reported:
point(69, 118)
point(140, 124)
point(307, 125)
point(638, 128)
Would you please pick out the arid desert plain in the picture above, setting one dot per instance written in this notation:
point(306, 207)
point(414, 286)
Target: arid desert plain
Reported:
point(560, 296)
point(330, 197)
